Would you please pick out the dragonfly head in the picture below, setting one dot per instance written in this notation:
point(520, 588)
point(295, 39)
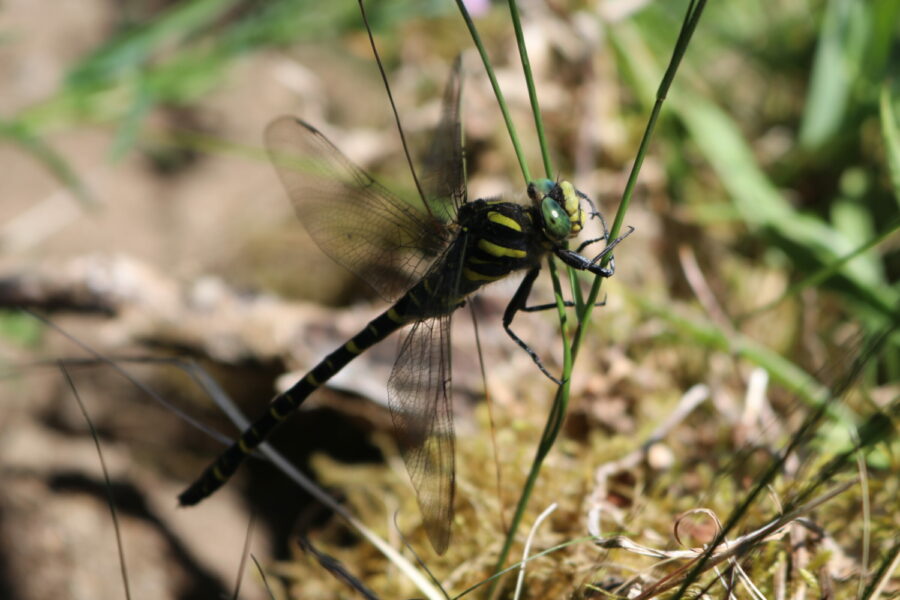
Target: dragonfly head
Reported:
point(559, 205)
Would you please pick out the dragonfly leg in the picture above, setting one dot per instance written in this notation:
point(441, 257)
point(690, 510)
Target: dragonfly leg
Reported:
point(587, 243)
point(550, 305)
point(577, 261)
point(515, 305)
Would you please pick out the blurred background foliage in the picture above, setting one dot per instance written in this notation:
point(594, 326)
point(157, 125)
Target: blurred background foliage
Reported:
point(780, 106)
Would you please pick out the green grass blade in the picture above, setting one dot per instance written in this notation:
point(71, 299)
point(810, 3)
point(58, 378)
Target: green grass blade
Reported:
point(890, 132)
point(136, 47)
point(498, 93)
point(23, 136)
point(758, 201)
point(532, 92)
point(184, 54)
point(762, 206)
point(691, 18)
point(840, 49)
point(558, 410)
point(827, 271)
point(129, 129)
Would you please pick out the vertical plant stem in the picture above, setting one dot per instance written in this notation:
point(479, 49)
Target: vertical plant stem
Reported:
point(559, 407)
point(552, 427)
point(501, 101)
point(557, 413)
point(691, 18)
point(532, 92)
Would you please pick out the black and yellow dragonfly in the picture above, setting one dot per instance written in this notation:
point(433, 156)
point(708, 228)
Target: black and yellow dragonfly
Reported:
point(427, 263)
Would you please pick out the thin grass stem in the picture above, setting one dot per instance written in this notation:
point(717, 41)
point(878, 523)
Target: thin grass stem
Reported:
point(532, 91)
point(692, 17)
point(498, 93)
point(560, 404)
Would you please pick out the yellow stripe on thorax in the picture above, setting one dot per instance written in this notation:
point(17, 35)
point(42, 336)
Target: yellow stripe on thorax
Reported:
point(500, 251)
point(501, 219)
point(476, 276)
point(352, 347)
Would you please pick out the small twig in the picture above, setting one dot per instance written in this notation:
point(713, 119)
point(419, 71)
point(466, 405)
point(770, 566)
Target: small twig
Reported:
point(245, 552)
point(262, 574)
point(702, 291)
point(881, 583)
point(334, 566)
point(109, 493)
point(527, 550)
point(733, 548)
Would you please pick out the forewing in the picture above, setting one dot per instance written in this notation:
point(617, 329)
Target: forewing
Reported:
point(354, 220)
point(444, 166)
point(419, 391)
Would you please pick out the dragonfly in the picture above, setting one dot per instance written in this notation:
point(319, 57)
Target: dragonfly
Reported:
point(426, 263)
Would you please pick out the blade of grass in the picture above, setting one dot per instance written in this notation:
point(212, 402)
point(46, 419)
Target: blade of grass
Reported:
point(50, 158)
point(532, 92)
point(890, 132)
point(826, 271)
point(759, 202)
point(110, 498)
point(691, 18)
point(135, 47)
point(841, 45)
point(712, 337)
point(559, 407)
point(542, 138)
point(186, 52)
point(498, 93)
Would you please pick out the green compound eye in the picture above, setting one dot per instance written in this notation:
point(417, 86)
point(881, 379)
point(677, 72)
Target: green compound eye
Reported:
point(557, 224)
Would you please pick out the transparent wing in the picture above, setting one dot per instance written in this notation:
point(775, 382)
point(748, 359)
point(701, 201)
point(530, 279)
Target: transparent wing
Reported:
point(444, 165)
point(354, 220)
point(419, 392)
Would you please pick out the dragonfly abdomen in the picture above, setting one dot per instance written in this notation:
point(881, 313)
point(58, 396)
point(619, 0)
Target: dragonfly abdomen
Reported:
point(283, 405)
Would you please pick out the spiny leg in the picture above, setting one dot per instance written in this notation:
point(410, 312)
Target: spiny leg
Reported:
point(550, 305)
point(612, 259)
point(587, 243)
point(610, 247)
point(577, 261)
point(515, 305)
